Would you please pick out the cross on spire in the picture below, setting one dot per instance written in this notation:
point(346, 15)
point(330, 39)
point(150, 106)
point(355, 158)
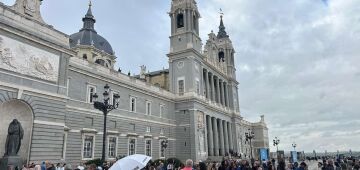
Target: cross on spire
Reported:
point(89, 19)
point(221, 13)
point(222, 33)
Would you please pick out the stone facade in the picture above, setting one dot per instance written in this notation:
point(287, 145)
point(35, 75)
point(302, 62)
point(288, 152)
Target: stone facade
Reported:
point(47, 84)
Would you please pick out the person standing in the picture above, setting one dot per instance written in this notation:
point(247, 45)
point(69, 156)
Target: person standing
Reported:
point(188, 165)
point(43, 166)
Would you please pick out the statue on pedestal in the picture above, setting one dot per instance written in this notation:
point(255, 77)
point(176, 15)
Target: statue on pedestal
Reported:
point(14, 137)
point(12, 146)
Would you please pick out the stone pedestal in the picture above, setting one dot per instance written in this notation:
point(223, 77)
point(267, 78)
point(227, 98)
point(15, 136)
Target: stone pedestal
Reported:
point(13, 161)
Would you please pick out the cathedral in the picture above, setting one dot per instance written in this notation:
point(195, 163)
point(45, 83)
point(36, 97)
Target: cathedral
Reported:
point(48, 82)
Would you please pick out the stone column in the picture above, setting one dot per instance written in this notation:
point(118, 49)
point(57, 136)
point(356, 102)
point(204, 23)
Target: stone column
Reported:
point(215, 89)
point(221, 134)
point(212, 88)
point(231, 146)
point(227, 95)
point(208, 85)
point(210, 136)
point(223, 93)
point(226, 138)
point(218, 90)
point(204, 87)
point(216, 137)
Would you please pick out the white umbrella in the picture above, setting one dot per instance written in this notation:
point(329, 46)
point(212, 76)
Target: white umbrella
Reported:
point(132, 162)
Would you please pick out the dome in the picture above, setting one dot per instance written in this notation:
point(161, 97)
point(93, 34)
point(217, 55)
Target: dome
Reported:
point(88, 36)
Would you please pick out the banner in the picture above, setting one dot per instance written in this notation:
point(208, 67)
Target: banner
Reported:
point(294, 156)
point(264, 154)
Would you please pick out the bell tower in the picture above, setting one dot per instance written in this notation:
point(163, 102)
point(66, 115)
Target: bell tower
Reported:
point(184, 16)
point(227, 54)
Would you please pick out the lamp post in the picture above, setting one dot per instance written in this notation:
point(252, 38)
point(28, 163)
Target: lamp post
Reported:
point(105, 107)
point(249, 136)
point(294, 146)
point(276, 143)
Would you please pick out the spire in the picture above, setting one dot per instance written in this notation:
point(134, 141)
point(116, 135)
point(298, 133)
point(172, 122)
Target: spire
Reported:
point(222, 33)
point(89, 19)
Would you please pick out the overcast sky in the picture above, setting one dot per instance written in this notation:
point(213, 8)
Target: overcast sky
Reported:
point(297, 61)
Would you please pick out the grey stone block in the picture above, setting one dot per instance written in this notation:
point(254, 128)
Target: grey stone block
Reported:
point(12, 161)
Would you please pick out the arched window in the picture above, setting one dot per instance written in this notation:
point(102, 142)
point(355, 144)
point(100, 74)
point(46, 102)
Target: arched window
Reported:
point(85, 56)
point(180, 20)
point(221, 56)
point(100, 62)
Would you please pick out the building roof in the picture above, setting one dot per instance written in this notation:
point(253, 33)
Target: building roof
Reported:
point(88, 36)
point(154, 73)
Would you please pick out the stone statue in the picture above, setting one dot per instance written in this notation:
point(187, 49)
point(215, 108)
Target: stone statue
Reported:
point(13, 140)
point(30, 5)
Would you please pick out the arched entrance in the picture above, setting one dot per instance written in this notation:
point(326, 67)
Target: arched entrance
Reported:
point(16, 109)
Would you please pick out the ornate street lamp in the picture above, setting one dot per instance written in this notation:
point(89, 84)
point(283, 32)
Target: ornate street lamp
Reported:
point(294, 146)
point(105, 107)
point(276, 143)
point(249, 136)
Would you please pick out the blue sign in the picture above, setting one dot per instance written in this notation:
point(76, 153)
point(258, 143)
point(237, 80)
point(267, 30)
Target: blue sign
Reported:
point(294, 156)
point(264, 154)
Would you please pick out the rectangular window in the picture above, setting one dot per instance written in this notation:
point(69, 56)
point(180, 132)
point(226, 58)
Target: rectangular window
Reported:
point(91, 90)
point(132, 146)
point(148, 129)
point(148, 108)
point(112, 147)
point(148, 147)
point(162, 109)
point(112, 97)
point(64, 145)
point(181, 87)
point(132, 104)
point(88, 147)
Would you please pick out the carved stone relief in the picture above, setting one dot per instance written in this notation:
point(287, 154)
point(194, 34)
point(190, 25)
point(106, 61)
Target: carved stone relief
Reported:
point(25, 59)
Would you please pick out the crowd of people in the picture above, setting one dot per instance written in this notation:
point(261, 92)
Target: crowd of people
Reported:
point(227, 164)
point(282, 164)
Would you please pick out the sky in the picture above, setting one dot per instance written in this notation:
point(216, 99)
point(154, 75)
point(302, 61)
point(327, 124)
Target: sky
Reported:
point(297, 61)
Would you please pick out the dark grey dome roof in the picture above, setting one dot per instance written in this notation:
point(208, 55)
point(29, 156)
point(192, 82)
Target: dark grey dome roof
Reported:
point(88, 36)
